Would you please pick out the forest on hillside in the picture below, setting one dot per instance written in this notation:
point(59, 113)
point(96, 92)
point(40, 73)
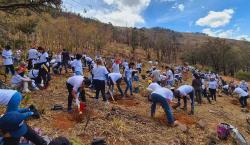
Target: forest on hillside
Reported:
point(55, 29)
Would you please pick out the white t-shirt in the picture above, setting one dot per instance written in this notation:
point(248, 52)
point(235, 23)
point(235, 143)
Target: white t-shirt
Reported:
point(125, 64)
point(8, 57)
point(100, 72)
point(153, 86)
point(43, 57)
point(139, 65)
point(115, 76)
point(5, 96)
point(115, 68)
point(226, 87)
point(88, 59)
point(33, 73)
point(164, 92)
point(163, 78)
point(76, 82)
point(32, 53)
point(16, 79)
point(58, 58)
point(170, 75)
point(240, 92)
point(78, 65)
point(212, 85)
point(185, 90)
point(156, 75)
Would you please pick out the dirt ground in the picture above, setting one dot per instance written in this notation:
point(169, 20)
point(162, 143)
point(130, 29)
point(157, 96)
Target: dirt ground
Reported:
point(128, 122)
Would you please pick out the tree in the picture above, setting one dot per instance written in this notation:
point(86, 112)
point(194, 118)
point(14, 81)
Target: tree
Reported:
point(34, 5)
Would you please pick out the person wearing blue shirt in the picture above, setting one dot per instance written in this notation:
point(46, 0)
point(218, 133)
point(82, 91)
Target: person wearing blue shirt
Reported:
point(128, 78)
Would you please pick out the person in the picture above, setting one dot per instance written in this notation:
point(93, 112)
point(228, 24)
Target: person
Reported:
point(170, 76)
point(32, 56)
point(115, 79)
point(116, 66)
point(243, 85)
point(197, 84)
point(139, 67)
point(20, 81)
point(57, 66)
point(13, 127)
point(156, 75)
point(153, 86)
point(243, 96)
point(65, 59)
point(124, 65)
point(11, 99)
point(75, 86)
point(34, 75)
point(182, 92)
point(8, 60)
point(128, 79)
point(100, 74)
point(212, 86)
point(162, 96)
point(43, 59)
point(89, 62)
point(77, 64)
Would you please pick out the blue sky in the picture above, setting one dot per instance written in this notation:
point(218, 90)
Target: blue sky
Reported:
point(219, 18)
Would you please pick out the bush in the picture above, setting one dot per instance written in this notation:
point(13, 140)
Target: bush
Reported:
point(241, 75)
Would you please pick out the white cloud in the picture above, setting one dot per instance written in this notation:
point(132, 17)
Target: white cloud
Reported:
point(181, 7)
point(231, 34)
point(121, 13)
point(216, 19)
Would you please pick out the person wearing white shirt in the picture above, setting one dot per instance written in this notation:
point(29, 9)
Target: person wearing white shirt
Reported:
point(20, 81)
point(32, 55)
point(170, 76)
point(115, 79)
point(89, 62)
point(156, 75)
point(75, 85)
point(139, 67)
point(244, 85)
point(153, 86)
point(11, 99)
point(8, 60)
point(115, 68)
point(243, 96)
point(212, 86)
point(43, 67)
point(182, 92)
point(100, 74)
point(162, 96)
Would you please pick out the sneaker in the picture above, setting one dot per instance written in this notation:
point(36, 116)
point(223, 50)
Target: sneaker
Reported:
point(36, 88)
point(96, 101)
point(26, 91)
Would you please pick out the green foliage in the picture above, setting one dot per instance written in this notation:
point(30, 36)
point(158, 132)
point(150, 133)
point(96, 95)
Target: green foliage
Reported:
point(241, 75)
point(27, 27)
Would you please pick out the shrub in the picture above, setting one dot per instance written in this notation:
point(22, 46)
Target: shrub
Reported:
point(241, 75)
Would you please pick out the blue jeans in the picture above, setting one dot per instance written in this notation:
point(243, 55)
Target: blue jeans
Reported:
point(129, 86)
point(156, 98)
point(14, 102)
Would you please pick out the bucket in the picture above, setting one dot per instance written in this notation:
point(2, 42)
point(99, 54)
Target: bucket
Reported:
point(82, 107)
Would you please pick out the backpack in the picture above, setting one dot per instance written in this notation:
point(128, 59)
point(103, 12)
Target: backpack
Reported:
point(223, 131)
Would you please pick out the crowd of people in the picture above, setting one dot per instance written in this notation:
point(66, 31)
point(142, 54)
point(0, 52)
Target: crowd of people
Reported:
point(101, 74)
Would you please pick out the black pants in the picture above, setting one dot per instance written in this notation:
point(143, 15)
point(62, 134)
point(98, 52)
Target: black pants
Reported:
point(100, 86)
point(44, 74)
point(31, 135)
point(198, 95)
point(65, 65)
point(70, 97)
point(9, 68)
point(30, 64)
point(243, 101)
point(212, 94)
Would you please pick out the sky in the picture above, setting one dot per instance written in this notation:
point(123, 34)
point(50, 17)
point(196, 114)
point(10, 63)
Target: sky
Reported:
point(218, 18)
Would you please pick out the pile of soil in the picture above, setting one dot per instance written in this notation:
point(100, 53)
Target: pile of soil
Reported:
point(180, 117)
point(63, 121)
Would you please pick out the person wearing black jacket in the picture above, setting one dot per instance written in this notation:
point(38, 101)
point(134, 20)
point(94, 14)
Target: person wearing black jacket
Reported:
point(65, 59)
point(197, 84)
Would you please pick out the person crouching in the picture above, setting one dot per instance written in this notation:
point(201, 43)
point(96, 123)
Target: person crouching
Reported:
point(162, 96)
